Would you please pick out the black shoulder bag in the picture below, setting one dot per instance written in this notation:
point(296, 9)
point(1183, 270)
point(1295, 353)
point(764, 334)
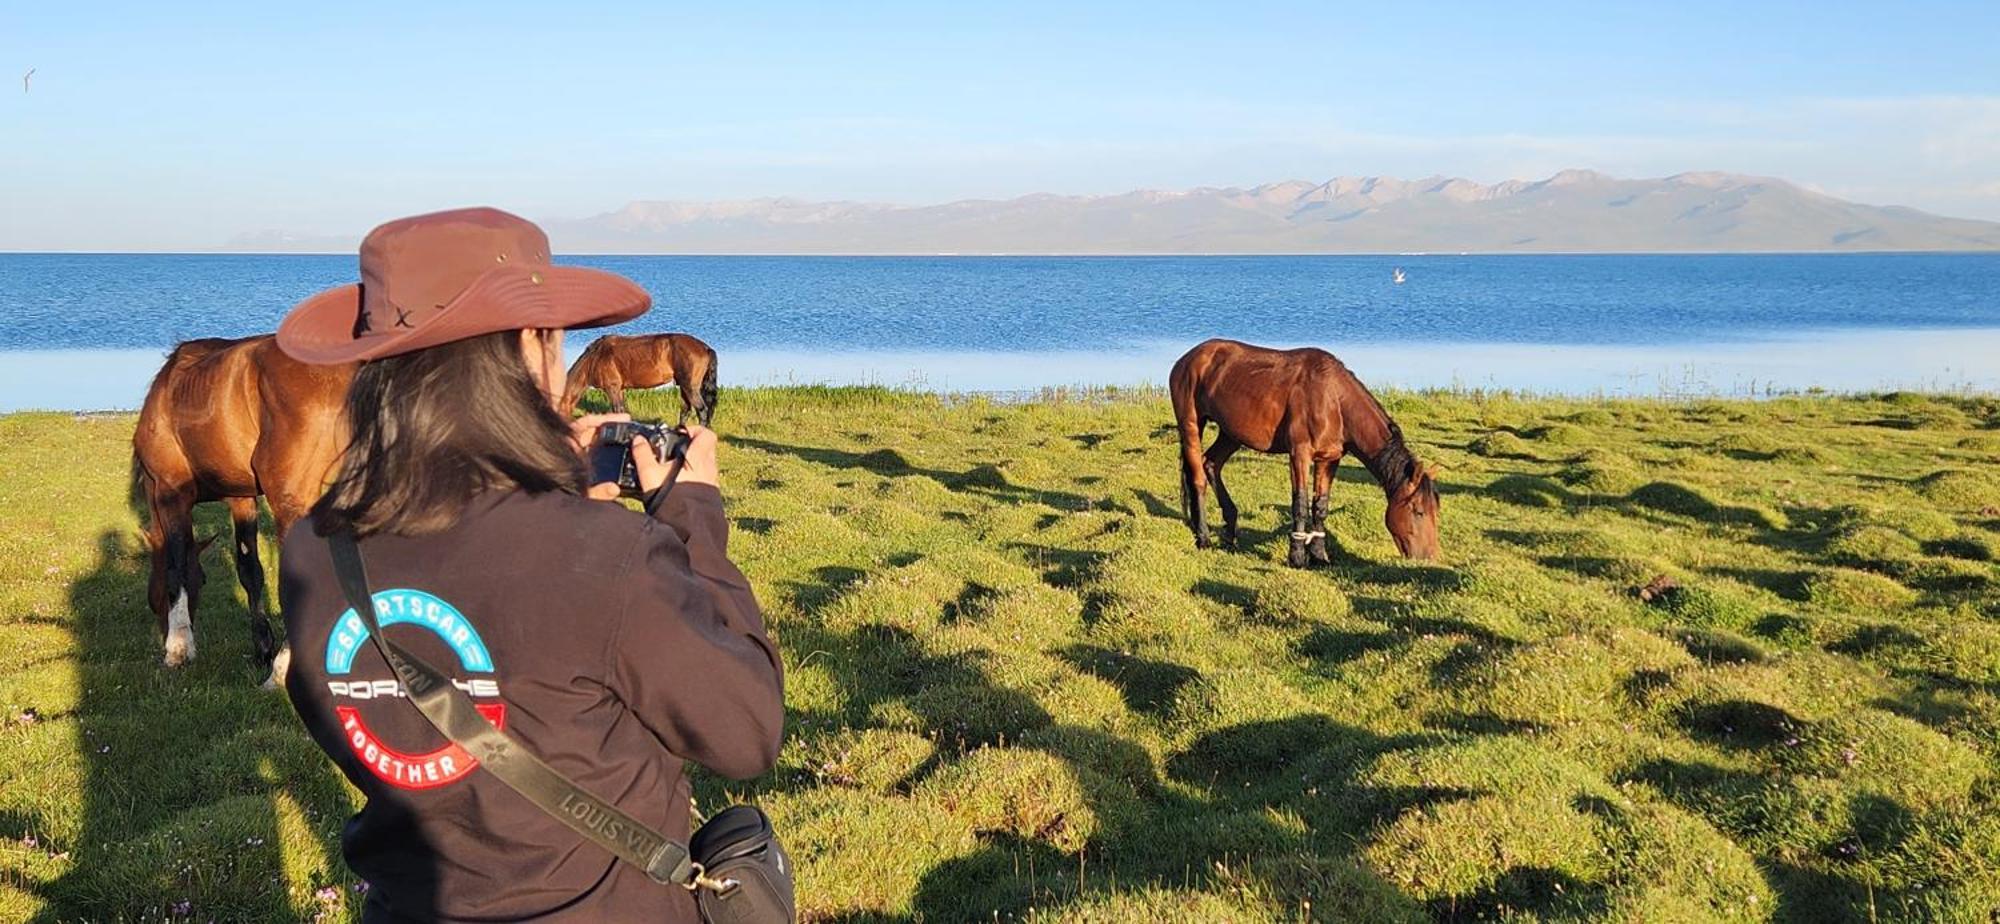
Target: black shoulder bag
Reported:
point(734, 865)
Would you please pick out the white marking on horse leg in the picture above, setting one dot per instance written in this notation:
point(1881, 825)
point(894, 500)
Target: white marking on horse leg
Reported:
point(180, 632)
point(279, 665)
point(243, 548)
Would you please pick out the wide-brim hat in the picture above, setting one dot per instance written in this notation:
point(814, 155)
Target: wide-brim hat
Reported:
point(446, 276)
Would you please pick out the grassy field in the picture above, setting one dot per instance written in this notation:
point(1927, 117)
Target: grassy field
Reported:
point(1017, 691)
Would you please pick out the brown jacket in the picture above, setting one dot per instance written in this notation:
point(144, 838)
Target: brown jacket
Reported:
point(614, 645)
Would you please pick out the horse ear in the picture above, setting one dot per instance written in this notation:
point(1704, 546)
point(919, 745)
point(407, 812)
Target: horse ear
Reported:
point(1431, 470)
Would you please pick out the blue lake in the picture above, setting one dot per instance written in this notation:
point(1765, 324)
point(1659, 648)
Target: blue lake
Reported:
point(1644, 324)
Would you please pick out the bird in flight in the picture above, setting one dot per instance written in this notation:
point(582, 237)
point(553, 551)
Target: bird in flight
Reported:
point(30, 75)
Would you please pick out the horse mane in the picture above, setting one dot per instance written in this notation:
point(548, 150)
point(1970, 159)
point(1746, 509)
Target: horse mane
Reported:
point(1394, 463)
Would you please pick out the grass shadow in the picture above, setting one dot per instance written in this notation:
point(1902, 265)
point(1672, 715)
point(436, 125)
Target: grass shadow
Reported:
point(173, 826)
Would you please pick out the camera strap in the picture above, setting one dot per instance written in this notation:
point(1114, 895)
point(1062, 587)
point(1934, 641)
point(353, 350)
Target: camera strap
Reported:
point(451, 711)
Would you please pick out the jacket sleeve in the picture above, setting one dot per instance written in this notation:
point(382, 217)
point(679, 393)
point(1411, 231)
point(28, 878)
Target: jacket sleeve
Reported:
point(690, 657)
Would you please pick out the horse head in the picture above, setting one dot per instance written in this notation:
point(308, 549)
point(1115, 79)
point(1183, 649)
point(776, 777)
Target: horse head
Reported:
point(1412, 516)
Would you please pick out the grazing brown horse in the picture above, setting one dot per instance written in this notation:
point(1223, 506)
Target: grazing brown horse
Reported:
point(228, 420)
point(616, 363)
point(1305, 403)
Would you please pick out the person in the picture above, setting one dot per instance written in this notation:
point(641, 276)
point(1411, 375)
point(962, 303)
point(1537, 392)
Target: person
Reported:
point(616, 645)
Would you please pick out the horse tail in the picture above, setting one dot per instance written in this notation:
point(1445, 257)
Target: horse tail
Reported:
point(709, 390)
point(140, 479)
point(139, 494)
point(1187, 420)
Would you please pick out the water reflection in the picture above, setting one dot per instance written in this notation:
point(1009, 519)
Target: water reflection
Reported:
point(1844, 361)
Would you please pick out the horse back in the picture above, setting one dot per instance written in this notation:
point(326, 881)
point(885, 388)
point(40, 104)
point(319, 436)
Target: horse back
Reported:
point(200, 417)
point(300, 410)
point(1265, 399)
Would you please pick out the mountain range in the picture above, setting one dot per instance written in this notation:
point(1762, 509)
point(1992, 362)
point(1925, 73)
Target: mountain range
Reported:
point(1572, 211)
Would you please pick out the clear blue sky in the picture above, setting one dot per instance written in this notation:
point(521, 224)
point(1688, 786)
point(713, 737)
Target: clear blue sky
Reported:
point(177, 125)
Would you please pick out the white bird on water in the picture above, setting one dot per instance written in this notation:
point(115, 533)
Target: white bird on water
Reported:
point(25, 78)
point(1398, 277)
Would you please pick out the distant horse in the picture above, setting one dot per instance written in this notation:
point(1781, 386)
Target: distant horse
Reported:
point(1305, 403)
point(616, 363)
point(228, 420)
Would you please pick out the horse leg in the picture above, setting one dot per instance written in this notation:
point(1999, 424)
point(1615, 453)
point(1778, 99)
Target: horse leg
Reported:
point(1322, 485)
point(616, 392)
point(1194, 481)
point(1215, 458)
point(687, 384)
point(1302, 466)
point(177, 574)
point(250, 574)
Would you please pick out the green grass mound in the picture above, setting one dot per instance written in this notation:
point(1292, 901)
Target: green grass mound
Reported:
point(1028, 794)
point(1568, 679)
point(1601, 471)
point(1934, 416)
point(911, 598)
point(852, 871)
point(1871, 751)
point(1857, 592)
point(1592, 417)
point(1039, 616)
point(1948, 575)
point(1960, 489)
point(1154, 905)
point(1966, 650)
point(1528, 491)
point(1980, 442)
point(1708, 607)
point(1153, 564)
point(1503, 828)
point(1298, 597)
point(1669, 497)
point(874, 759)
point(1803, 456)
point(1747, 443)
point(1500, 444)
point(1688, 501)
point(1874, 548)
point(1560, 434)
point(1966, 547)
point(1910, 517)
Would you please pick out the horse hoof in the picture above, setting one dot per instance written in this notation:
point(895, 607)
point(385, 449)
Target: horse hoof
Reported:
point(1203, 542)
point(279, 666)
point(179, 651)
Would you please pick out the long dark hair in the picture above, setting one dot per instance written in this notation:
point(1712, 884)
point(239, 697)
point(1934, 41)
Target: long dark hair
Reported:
point(430, 430)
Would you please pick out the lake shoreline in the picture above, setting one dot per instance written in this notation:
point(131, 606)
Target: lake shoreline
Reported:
point(1941, 361)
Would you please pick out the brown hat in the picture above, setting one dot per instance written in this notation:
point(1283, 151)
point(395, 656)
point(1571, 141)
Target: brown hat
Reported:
point(446, 276)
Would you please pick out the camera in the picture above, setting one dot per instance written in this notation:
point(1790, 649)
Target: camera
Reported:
point(611, 451)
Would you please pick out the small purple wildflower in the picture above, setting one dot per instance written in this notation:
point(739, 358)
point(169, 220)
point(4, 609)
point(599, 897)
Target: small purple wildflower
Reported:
point(327, 893)
point(183, 908)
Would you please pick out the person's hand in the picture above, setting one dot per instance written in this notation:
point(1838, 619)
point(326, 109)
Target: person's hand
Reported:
point(696, 466)
point(582, 433)
point(583, 430)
